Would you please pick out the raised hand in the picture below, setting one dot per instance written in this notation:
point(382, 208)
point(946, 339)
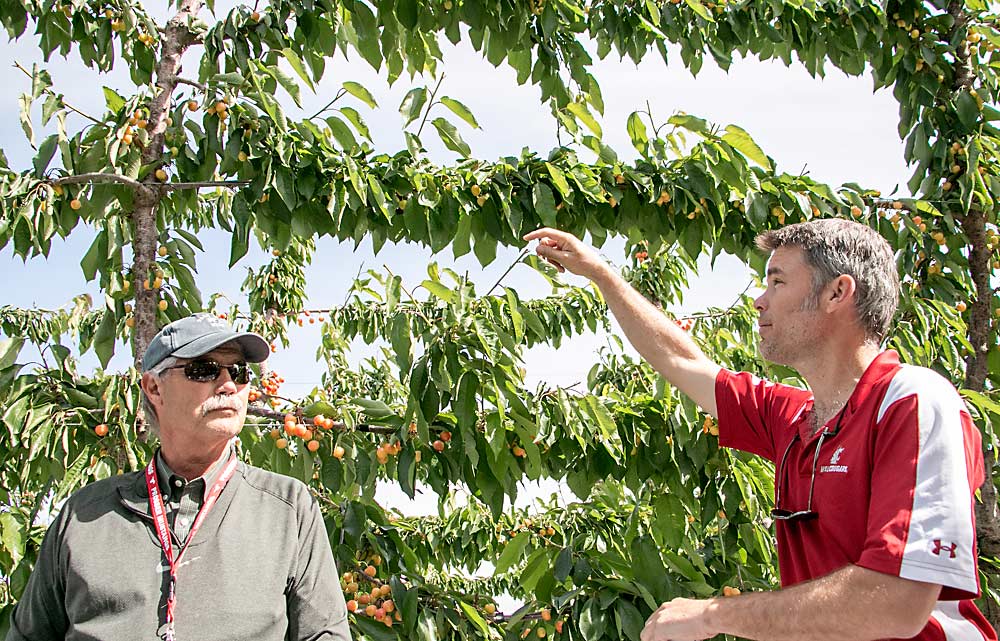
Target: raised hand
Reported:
point(566, 252)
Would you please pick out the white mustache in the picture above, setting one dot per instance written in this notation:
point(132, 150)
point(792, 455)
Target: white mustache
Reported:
point(221, 402)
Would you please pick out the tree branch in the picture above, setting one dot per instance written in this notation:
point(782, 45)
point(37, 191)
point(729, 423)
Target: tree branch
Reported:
point(233, 184)
point(64, 103)
point(97, 178)
point(263, 412)
point(193, 83)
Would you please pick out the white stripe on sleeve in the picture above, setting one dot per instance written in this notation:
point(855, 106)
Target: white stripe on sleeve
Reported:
point(956, 627)
point(939, 545)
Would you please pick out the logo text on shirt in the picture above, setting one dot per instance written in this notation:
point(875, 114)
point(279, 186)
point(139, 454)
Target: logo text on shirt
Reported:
point(833, 467)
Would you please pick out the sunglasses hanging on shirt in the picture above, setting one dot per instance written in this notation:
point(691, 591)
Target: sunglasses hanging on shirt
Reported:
point(789, 516)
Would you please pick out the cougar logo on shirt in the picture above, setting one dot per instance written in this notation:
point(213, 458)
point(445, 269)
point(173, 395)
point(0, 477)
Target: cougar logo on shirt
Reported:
point(833, 467)
point(939, 547)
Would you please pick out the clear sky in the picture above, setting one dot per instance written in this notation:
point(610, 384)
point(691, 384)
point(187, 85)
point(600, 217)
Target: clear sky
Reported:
point(835, 129)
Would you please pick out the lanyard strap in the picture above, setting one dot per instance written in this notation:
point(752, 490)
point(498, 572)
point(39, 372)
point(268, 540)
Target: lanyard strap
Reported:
point(159, 511)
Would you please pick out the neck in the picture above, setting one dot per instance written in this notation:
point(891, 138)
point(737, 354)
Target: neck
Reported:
point(833, 374)
point(191, 465)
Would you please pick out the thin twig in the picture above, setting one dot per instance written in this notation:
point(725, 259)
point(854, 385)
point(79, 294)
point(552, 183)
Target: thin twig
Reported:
point(430, 103)
point(516, 261)
point(208, 183)
point(416, 303)
point(347, 298)
point(64, 103)
point(193, 83)
point(340, 94)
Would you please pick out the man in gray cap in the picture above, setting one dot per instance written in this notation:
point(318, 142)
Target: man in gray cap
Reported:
point(198, 546)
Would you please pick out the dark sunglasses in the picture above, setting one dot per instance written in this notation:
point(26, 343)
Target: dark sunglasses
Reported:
point(204, 371)
point(789, 516)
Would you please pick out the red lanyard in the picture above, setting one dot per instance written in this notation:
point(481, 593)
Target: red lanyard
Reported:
point(163, 532)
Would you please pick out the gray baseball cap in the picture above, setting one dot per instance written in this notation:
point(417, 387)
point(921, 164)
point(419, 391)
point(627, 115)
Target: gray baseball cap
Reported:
point(199, 334)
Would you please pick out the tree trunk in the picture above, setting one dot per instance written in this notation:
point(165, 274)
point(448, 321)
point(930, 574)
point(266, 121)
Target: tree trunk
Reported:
point(980, 331)
point(177, 37)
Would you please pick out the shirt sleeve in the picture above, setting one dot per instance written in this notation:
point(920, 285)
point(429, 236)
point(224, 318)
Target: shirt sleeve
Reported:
point(316, 607)
point(752, 410)
point(40, 613)
point(927, 464)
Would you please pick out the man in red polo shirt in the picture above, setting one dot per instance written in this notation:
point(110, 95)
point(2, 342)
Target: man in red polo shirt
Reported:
point(877, 463)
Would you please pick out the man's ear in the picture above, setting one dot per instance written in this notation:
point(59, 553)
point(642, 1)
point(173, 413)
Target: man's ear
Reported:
point(840, 290)
point(150, 384)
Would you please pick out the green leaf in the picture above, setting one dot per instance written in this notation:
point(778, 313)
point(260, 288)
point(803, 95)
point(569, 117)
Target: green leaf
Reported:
point(700, 9)
point(296, 63)
point(460, 110)
point(464, 405)
point(534, 568)
point(545, 204)
point(95, 256)
point(593, 622)
point(691, 123)
point(413, 103)
point(606, 425)
point(104, 339)
point(374, 409)
point(450, 137)
point(558, 179)
point(9, 349)
point(583, 114)
point(631, 621)
point(24, 103)
point(12, 536)
point(44, 156)
point(342, 133)
point(374, 630)
point(233, 78)
point(358, 91)
point(113, 100)
point(637, 132)
point(357, 121)
point(438, 290)
point(512, 553)
point(285, 81)
point(475, 618)
point(407, 13)
point(967, 108)
point(742, 142)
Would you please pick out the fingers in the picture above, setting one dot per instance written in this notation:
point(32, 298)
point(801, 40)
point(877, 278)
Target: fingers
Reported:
point(547, 233)
point(552, 253)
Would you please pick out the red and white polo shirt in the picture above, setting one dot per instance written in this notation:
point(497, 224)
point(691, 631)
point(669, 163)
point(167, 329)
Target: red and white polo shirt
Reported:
point(894, 488)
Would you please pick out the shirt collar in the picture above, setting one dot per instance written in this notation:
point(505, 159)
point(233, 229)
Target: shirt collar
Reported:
point(885, 364)
point(166, 477)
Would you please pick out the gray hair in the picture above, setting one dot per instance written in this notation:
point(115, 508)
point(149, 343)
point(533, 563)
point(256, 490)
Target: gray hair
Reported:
point(835, 247)
point(148, 411)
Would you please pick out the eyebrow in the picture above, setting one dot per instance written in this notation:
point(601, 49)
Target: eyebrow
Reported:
point(774, 270)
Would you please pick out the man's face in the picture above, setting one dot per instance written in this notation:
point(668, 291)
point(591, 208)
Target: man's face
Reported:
point(790, 327)
point(206, 413)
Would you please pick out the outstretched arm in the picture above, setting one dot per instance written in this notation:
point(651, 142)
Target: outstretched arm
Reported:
point(851, 604)
point(665, 346)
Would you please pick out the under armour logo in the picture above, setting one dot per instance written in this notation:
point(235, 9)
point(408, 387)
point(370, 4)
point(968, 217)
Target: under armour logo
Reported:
point(939, 547)
point(836, 455)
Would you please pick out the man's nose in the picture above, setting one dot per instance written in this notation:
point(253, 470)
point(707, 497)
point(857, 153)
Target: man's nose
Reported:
point(225, 383)
point(759, 303)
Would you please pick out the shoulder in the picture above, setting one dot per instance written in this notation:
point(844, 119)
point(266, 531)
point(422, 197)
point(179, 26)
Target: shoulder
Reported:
point(922, 389)
point(276, 487)
point(104, 492)
point(747, 383)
